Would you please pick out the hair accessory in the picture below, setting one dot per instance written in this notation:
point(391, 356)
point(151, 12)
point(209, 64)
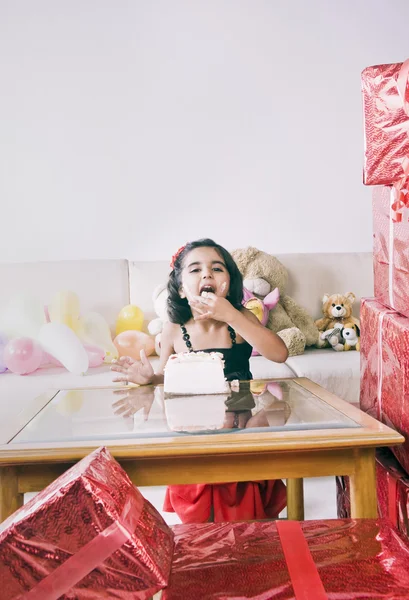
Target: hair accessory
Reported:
point(176, 256)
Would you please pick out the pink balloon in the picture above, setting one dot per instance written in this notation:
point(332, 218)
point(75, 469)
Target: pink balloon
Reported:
point(95, 355)
point(23, 356)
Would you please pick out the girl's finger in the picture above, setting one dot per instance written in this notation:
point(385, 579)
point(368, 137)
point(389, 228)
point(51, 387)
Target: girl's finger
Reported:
point(124, 360)
point(203, 316)
point(119, 368)
point(125, 392)
point(144, 358)
point(121, 409)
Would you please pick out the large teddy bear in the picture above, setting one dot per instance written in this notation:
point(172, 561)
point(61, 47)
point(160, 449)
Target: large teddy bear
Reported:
point(262, 273)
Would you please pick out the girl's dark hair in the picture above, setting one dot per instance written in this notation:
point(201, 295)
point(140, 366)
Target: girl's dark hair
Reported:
point(178, 308)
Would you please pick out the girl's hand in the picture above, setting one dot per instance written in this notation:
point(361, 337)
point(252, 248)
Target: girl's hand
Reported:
point(210, 306)
point(133, 371)
point(133, 400)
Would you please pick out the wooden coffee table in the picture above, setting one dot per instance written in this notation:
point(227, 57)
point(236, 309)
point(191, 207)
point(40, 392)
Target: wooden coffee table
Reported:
point(286, 429)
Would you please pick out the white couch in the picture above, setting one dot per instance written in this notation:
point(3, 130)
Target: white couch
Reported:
point(106, 286)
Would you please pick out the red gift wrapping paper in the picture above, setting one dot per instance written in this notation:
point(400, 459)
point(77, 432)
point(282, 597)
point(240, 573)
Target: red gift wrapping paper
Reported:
point(310, 560)
point(88, 535)
point(391, 248)
point(386, 122)
point(392, 486)
point(385, 370)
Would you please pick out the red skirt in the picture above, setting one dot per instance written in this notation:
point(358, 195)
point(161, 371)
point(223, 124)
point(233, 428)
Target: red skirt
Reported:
point(243, 501)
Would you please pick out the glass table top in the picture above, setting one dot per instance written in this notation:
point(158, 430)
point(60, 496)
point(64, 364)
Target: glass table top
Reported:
point(146, 412)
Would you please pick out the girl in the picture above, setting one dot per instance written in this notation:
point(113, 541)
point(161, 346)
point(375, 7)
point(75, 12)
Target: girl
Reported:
point(205, 291)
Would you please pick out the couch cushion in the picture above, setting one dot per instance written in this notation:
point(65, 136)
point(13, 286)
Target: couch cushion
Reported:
point(144, 277)
point(338, 372)
point(102, 285)
point(262, 368)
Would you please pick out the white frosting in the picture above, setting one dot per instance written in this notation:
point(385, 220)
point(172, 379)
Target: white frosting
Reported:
point(191, 373)
point(190, 357)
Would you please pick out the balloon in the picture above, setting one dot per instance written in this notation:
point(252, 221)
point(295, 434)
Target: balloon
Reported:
point(96, 355)
point(23, 317)
point(94, 330)
point(65, 308)
point(130, 318)
point(23, 356)
point(50, 360)
point(61, 342)
point(130, 343)
point(3, 344)
point(70, 403)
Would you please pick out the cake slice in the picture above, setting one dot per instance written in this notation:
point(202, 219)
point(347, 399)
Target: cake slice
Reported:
point(190, 373)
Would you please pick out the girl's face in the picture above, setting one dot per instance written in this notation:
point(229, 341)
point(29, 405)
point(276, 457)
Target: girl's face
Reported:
point(204, 270)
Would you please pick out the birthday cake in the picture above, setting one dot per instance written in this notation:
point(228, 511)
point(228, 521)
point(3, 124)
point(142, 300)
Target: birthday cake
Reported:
point(195, 373)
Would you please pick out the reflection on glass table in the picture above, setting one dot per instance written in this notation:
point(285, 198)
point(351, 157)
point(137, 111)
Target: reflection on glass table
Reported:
point(146, 412)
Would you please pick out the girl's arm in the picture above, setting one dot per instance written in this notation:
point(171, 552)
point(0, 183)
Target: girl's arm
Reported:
point(267, 343)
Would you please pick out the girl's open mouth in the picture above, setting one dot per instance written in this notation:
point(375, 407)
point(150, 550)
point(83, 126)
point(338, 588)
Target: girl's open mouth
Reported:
point(207, 288)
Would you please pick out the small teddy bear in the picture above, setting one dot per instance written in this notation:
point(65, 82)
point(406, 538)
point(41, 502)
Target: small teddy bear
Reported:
point(351, 335)
point(337, 310)
point(334, 338)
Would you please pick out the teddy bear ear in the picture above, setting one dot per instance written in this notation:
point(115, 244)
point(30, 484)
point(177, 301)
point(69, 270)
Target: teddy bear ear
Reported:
point(358, 330)
point(325, 298)
point(350, 296)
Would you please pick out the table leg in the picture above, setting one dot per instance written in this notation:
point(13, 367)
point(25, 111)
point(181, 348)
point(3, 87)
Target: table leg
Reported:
point(295, 499)
point(10, 498)
point(363, 485)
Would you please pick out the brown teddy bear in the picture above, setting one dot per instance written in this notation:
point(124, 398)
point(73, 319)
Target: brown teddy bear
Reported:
point(337, 311)
point(263, 273)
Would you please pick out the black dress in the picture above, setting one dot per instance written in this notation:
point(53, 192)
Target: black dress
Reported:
point(236, 358)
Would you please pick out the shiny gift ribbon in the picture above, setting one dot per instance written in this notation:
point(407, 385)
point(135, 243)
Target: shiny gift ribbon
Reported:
point(304, 575)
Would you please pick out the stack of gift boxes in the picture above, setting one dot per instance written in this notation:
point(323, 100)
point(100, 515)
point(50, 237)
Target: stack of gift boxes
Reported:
point(385, 318)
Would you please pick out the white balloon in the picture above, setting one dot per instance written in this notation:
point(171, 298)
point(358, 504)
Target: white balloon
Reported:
point(23, 317)
point(61, 342)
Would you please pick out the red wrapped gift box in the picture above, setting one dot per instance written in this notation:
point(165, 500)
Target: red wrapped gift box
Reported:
point(392, 486)
point(386, 122)
point(310, 560)
point(391, 249)
point(385, 370)
point(88, 535)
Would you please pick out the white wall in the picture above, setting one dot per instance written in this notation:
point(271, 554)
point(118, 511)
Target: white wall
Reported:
point(128, 127)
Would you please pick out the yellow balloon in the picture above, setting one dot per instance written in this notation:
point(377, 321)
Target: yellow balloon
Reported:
point(65, 308)
point(94, 330)
point(70, 403)
point(129, 319)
